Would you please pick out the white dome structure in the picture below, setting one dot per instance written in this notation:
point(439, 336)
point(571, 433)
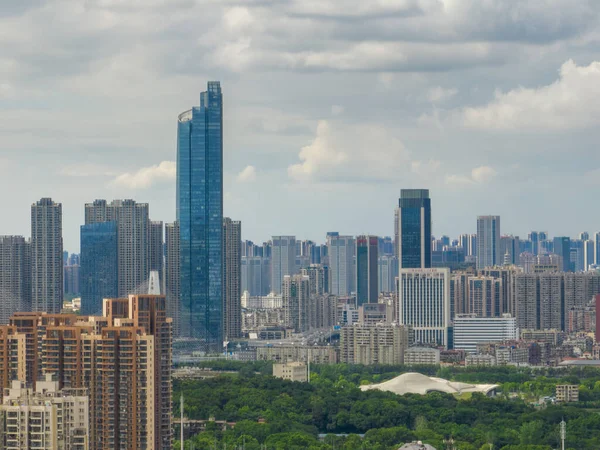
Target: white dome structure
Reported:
point(416, 383)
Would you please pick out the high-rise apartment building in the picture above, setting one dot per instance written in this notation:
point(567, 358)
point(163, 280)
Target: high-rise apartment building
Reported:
point(172, 274)
point(507, 296)
point(15, 276)
point(133, 234)
point(459, 293)
point(122, 358)
point(295, 301)
point(485, 296)
point(46, 419)
point(200, 217)
point(232, 278)
point(413, 229)
point(367, 290)
point(99, 265)
point(340, 251)
point(488, 242)
point(46, 256)
point(156, 249)
point(318, 276)
point(373, 344)
point(283, 260)
point(424, 304)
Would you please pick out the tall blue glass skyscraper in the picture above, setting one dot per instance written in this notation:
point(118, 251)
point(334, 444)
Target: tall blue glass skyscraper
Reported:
point(413, 229)
point(200, 217)
point(99, 262)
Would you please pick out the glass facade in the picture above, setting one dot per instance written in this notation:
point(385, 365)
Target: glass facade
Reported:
point(200, 217)
point(414, 229)
point(98, 271)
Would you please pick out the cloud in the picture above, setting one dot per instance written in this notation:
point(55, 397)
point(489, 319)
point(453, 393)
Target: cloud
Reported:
point(572, 101)
point(86, 170)
point(147, 176)
point(357, 153)
point(247, 175)
point(336, 110)
point(479, 175)
point(439, 94)
point(483, 174)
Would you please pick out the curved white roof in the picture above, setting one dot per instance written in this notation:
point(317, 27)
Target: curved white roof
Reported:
point(416, 383)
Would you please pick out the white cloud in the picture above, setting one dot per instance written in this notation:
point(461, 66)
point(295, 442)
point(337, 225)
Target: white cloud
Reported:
point(483, 174)
point(479, 175)
point(572, 101)
point(357, 153)
point(147, 176)
point(247, 175)
point(439, 94)
point(336, 110)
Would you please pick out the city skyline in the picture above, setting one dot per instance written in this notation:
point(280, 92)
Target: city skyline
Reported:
point(299, 117)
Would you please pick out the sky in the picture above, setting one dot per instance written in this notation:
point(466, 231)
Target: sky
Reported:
point(330, 108)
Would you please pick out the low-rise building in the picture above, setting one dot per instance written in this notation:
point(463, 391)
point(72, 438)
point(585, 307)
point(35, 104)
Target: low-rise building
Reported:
point(292, 371)
point(480, 360)
point(290, 353)
point(422, 355)
point(567, 393)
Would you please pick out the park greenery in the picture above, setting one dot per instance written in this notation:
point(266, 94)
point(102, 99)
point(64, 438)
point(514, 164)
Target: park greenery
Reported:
point(281, 415)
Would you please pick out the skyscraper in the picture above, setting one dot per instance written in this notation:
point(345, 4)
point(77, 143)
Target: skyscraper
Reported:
point(283, 260)
point(156, 249)
point(340, 250)
point(295, 300)
point(413, 229)
point(367, 290)
point(172, 274)
point(99, 262)
point(15, 276)
point(387, 273)
point(133, 233)
point(424, 304)
point(200, 217)
point(232, 278)
point(46, 256)
point(488, 242)
point(562, 247)
point(536, 238)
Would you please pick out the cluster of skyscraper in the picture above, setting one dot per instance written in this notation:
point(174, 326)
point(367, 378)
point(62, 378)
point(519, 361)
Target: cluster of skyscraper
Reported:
point(204, 266)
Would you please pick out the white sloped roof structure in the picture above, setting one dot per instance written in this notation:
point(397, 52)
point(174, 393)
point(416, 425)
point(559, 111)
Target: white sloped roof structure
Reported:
point(416, 446)
point(416, 383)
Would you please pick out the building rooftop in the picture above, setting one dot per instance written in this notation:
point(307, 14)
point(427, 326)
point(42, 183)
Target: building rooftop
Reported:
point(416, 383)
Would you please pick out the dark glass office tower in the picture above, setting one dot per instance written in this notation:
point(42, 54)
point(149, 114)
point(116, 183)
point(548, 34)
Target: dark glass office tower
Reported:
point(413, 229)
point(200, 217)
point(367, 290)
point(562, 247)
point(99, 262)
